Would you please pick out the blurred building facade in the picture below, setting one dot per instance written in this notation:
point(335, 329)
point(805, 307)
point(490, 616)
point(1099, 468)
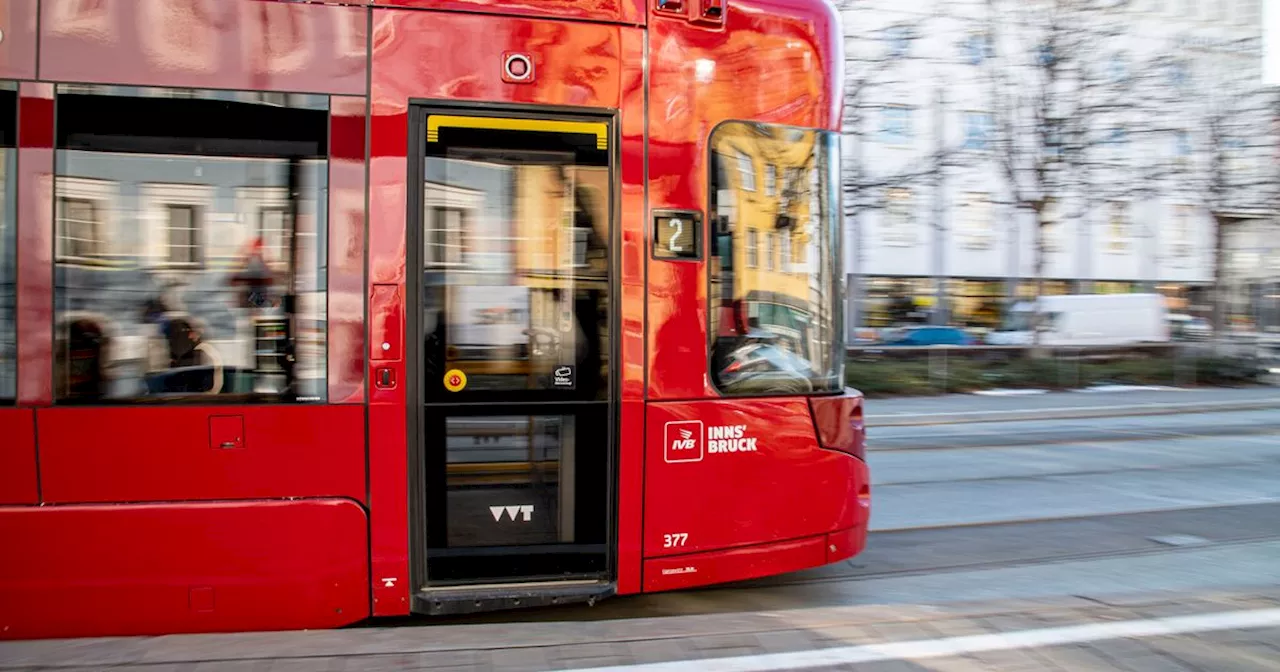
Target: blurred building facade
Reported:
point(1184, 132)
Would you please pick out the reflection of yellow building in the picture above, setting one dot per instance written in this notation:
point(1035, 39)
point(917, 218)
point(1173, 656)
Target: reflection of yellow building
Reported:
point(769, 195)
point(555, 234)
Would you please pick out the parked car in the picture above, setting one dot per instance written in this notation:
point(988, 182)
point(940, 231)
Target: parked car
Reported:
point(924, 336)
point(1187, 328)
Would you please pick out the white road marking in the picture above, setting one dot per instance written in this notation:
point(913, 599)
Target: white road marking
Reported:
point(957, 646)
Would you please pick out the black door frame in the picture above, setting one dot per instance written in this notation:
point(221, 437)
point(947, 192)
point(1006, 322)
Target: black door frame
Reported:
point(419, 110)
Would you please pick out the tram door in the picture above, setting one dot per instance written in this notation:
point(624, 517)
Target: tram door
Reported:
point(515, 426)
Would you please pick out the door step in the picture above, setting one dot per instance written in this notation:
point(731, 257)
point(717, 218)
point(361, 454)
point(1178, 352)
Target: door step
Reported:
point(494, 597)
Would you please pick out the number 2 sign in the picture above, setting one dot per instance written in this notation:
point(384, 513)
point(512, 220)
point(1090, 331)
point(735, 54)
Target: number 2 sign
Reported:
point(677, 234)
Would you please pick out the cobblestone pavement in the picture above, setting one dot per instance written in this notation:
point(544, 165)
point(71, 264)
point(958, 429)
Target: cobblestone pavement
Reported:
point(748, 641)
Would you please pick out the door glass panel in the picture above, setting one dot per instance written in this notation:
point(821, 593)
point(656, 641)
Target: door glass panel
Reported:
point(514, 324)
point(506, 479)
point(515, 264)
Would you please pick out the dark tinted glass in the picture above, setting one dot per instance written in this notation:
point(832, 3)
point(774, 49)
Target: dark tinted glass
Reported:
point(8, 244)
point(776, 323)
point(190, 243)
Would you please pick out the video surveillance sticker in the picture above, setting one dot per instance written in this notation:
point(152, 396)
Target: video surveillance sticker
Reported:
point(562, 377)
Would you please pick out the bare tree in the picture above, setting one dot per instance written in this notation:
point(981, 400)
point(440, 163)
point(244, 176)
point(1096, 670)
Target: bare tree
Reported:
point(1060, 96)
point(1232, 143)
point(875, 62)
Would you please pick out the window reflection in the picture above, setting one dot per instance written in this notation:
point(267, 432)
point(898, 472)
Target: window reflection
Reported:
point(515, 263)
point(8, 244)
point(190, 246)
point(504, 469)
point(776, 322)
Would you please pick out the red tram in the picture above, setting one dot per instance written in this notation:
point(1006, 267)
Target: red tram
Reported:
point(249, 380)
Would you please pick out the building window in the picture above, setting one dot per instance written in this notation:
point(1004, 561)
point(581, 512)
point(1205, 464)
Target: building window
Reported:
point(978, 129)
point(753, 248)
point(770, 179)
point(1179, 75)
point(79, 228)
point(1118, 227)
point(1044, 55)
point(183, 235)
point(1118, 69)
point(746, 172)
point(1051, 226)
point(273, 230)
point(581, 240)
point(1183, 216)
point(241, 322)
point(976, 222)
point(895, 125)
point(800, 310)
point(1236, 155)
point(899, 223)
point(978, 47)
point(897, 41)
point(445, 235)
point(1182, 147)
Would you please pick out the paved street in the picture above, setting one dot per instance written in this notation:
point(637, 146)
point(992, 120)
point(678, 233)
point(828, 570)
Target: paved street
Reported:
point(1128, 543)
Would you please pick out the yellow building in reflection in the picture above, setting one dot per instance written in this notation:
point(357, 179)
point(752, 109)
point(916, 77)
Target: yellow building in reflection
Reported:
point(768, 194)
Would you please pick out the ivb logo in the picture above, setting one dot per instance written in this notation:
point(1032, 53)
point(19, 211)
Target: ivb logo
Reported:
point(683, 441)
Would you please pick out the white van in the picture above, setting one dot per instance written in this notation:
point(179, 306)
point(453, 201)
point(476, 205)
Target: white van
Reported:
point(1087, 319)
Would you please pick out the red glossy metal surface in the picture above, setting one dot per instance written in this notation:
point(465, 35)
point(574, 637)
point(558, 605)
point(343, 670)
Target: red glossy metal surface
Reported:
point(577, 64)
point(159, 568)
point(346, 248)
point(18, 48)
point(774, 482)
point(386, 323)
point(388, 440)
point(700, 569)
point(699, 77)
point(840, 424)
point(18, 480)
point(845, 544)
point(137, 454)
point(609, 11)
point(35, 243)
point(227, 45)
point(631, 301)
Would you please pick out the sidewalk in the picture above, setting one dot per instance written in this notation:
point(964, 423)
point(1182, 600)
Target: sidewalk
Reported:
point(963, 408)
point(1143, 632)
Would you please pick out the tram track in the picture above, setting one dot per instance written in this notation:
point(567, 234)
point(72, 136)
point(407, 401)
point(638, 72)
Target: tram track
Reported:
point(854, 577)
point(1023, 438)
point(1082, 472)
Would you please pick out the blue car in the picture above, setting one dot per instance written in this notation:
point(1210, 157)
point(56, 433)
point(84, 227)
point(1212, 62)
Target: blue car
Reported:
point(924, 336)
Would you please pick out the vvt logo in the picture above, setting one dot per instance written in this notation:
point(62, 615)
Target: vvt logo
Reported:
point(525, 510)
point(683, 441)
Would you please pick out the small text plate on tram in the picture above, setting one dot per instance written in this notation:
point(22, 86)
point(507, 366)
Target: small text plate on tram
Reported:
point(677, 234)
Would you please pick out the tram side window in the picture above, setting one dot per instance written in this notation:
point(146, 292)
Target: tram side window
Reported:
point(776, 324)
point(190, 246)
point(8, 243)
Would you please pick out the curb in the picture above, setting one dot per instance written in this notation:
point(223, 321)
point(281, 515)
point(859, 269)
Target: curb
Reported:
point(1066, 413)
